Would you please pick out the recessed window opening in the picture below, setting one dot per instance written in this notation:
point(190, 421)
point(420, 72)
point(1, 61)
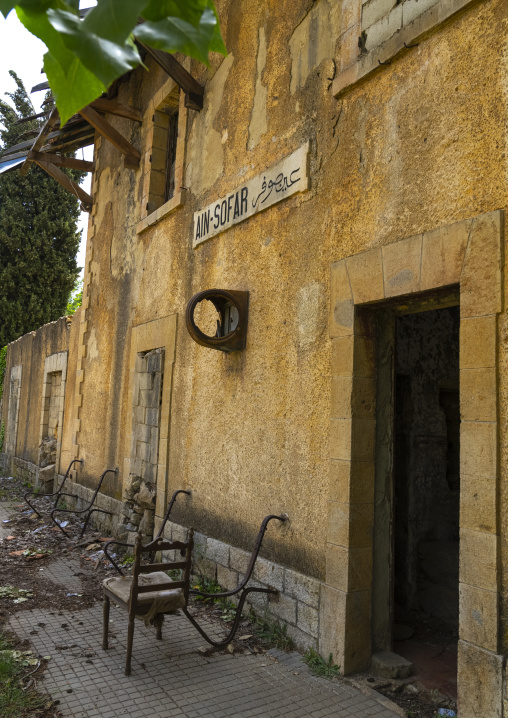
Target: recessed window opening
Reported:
point(163, 155)
point(171, 156)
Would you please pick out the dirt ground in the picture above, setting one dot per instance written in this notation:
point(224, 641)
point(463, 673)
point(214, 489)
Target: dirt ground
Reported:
point(29, 543)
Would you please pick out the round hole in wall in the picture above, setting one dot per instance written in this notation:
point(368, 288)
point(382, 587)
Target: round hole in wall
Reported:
point(207, 318)
point(217, 318)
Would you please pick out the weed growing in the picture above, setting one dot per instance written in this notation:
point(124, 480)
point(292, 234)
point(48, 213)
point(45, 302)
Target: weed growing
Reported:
point(15, 700)
point(207, 585)
point(318, 666)
point(272, 633)
point(175, 574)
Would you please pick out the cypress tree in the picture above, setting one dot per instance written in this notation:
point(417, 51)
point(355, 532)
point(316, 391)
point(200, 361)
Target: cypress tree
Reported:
point(39, 238)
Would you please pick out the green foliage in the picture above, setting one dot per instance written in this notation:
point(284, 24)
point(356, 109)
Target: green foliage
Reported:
point(38, 237)
point(318, 665)
point(272, 633)
point(175, 574)
point(14, 700)
point(75, 299)
point(128, 560)
point(3, 359)
point(210, 585)
point(85, 55)
point(207, 585)
point(228, 612)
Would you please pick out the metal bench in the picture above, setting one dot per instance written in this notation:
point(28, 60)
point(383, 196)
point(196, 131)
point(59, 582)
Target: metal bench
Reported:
point(243, 589)
point(88, 510)
point(58, 494)
point(160, 533)
point(150, 594)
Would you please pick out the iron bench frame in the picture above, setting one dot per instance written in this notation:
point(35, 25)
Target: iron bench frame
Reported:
point(242, 588)
point(90, 508)
point(158, 536)
point(58, 493)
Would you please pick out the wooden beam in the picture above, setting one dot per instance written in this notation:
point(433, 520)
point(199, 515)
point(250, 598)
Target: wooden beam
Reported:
point(193, 90)
point(102, 104)
point(39, 140)
point(66, 182)
point(13, 156)
point(61, 161)
point(132, 155)
point(31, 117)
point(40, 86)
point(193, 101)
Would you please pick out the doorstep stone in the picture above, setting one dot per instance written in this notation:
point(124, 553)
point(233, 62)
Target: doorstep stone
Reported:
point(390, 665)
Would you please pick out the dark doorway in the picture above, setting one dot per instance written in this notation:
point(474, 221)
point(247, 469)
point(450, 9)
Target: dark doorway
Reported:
point(426, 486)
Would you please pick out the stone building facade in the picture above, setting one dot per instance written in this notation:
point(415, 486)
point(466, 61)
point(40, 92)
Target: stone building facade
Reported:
point(349, 171)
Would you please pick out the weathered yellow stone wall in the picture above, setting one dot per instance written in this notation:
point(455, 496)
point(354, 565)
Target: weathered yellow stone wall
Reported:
point(415, 148)
point(419, 146)
point(31, 351)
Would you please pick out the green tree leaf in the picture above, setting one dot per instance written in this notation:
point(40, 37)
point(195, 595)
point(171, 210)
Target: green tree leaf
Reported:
point(188, 10)
point(105, 59)
point(85, 56)
point(73, 89)
point(113, 21)
point(177, 35)
point(38, 24)
point(5, 7)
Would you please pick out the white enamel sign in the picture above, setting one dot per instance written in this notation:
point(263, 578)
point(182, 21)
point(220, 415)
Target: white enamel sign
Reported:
point(283, 180)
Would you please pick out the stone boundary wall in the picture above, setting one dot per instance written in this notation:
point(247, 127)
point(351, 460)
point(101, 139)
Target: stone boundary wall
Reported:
point(297, 605)
point(107, 524)
point(24, 470)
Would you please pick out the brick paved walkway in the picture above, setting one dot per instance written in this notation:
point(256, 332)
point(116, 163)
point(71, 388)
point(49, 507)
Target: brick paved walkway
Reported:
point(170, 679)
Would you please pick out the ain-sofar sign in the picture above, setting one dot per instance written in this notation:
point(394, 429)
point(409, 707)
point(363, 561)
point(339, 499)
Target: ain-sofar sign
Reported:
point(288, 177)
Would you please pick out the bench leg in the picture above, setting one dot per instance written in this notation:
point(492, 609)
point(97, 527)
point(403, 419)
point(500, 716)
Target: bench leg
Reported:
point(158, 621)
point(105, 622)
point(87, 519)
point(130, 636)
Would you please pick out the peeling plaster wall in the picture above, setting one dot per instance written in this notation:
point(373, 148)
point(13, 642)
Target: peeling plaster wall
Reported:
point(421, 145)
point(313, 40)
point(258, 125)
point(416, 147)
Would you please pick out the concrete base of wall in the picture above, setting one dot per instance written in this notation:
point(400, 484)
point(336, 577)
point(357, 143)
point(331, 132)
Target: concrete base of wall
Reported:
point(296, 606)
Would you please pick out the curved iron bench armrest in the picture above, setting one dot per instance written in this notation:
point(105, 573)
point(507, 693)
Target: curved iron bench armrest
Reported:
point(242, 587)
point(159, 533)
point(109, 558)
point(87, 508)
point(168, 510)
point(58, 493)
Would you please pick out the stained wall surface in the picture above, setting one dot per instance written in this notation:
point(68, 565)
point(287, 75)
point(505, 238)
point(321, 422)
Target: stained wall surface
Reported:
point(30, 352)
point(418, 145)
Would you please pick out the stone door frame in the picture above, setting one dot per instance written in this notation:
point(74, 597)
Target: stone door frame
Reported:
point(156, 334)
point(467, 254)
point(53, 364)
